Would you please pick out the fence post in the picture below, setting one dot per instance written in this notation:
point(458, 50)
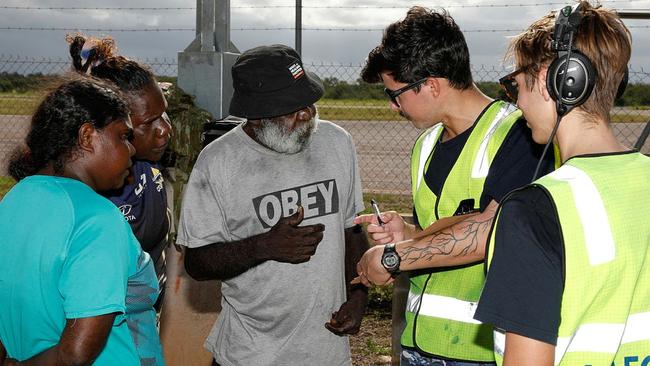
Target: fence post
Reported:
point(643, 137)
point(400, 296)
point(204, 66)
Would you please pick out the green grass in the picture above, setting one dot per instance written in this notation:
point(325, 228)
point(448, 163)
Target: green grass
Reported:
point(19, 103)
point(355, 109)
point(376, 348)
point(5, 185)
point(630, 117)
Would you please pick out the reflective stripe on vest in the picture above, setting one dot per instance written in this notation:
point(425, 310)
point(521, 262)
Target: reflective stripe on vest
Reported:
point(427, 146)
point(594, 337)
point(481, 165)
point(442, 307)
point(593, 216)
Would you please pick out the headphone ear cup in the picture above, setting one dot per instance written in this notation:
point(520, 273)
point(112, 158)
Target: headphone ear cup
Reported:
point(580, 79)
point(551, 76)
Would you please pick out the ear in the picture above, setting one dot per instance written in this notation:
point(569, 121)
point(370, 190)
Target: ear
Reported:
point(435, 86)
point(87, 137)
point(541, 83)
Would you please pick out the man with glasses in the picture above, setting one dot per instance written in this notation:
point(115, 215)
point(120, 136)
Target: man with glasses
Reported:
point(472, 152)
point(269, 210)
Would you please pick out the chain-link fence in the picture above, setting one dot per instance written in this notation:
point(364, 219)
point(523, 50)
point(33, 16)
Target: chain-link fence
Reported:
point(383, 138)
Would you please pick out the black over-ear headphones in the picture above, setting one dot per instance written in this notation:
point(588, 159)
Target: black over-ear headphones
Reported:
point(571, 76)
point(574, 79)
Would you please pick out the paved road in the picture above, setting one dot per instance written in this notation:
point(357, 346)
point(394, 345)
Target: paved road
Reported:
point(383, 148)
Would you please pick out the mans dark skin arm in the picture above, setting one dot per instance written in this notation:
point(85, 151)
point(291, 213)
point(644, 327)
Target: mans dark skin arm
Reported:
point(285, 242)
point(3, 353)
point(81, 342)
point(347, 320)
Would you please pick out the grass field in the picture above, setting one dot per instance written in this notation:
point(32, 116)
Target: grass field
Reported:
point(18, 103)
point(5, 185)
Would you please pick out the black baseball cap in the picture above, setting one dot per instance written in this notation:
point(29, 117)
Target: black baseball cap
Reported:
point(270, 81)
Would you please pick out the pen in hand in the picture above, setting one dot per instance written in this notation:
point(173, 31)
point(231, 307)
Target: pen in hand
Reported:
point(375, 208)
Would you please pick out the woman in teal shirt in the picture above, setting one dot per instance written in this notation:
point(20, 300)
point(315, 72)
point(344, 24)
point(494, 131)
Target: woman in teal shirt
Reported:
point(75, 285)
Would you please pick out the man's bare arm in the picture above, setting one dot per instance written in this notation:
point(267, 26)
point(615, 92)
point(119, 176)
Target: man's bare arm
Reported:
point(461, 243)
point(523, 351)
point(3, 353)
point(81, 342)
point(448, 242)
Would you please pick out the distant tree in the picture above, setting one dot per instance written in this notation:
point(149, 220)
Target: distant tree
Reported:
point(340, 89)
point(635, 95)
point(18, 83)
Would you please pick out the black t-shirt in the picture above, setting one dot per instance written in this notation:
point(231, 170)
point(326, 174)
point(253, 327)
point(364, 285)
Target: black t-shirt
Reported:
point(525, 281)
point(512, 167)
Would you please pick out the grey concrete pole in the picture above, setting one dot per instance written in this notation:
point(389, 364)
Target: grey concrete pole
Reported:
point(204, 66)
point(634, 13)
point(298, 43)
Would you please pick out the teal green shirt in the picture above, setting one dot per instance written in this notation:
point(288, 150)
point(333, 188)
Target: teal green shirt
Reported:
point(68, 253)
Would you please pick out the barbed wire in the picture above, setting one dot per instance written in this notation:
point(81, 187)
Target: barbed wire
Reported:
point(258, 29)
point(100, 29)
point(382, 29)
point(449, 6)
point(94, 8)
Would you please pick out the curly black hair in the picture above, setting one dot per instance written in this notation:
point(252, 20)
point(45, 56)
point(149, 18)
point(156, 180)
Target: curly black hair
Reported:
point(128, 75)
point(54, 131)
point(425, 43)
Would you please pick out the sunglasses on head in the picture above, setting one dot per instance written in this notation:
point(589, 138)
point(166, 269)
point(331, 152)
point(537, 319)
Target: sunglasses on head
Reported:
point(510, 85)
point(393, 94)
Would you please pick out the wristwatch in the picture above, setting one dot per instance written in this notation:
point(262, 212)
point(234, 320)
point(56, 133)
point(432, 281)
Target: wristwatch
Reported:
point(390, 259)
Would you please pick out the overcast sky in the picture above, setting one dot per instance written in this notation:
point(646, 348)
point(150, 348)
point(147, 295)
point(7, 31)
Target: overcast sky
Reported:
point(478, 18)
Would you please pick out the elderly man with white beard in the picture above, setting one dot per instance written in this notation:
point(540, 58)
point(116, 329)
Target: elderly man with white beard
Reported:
point(269, 210)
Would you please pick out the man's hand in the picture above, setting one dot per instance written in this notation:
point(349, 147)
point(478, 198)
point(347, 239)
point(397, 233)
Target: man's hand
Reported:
point(347, 320)
point(287, 242)
point(392, 231)
point(370, 270)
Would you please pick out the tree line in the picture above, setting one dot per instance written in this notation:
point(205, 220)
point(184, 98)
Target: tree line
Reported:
point(636, 94)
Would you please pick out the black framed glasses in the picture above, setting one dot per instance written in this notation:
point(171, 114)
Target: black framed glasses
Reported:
point(393, 94)
point(510, 85)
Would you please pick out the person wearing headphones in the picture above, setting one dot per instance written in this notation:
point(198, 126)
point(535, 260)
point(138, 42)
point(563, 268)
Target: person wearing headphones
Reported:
point(568, 263)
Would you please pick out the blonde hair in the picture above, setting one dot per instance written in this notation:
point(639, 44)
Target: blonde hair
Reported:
point(601, 36)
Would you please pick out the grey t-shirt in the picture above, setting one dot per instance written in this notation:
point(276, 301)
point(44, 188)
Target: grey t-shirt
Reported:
point(274, 313)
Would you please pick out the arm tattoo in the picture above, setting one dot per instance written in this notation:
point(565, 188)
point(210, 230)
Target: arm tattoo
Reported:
point(457, 240)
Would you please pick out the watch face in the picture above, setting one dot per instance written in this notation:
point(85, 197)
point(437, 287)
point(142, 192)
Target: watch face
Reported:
point(390, 260)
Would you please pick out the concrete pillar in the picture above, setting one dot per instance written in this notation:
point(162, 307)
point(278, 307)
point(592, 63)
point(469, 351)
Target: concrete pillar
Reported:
point(204, 66)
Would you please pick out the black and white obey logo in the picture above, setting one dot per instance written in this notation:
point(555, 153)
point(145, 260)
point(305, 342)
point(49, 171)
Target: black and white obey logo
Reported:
point(317, 199)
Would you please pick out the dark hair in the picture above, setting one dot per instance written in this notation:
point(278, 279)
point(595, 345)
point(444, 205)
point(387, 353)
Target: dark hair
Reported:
point(425, 43)
point(128, 75)
point(54, 131)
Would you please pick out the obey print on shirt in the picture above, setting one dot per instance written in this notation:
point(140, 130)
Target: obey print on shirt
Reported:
point(318, 199)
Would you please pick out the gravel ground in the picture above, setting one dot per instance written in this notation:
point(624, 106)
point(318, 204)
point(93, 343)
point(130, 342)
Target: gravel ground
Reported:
point(371, 347)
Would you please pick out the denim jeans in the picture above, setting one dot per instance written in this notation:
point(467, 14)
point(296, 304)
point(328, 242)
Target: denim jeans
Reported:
point(413, 358)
